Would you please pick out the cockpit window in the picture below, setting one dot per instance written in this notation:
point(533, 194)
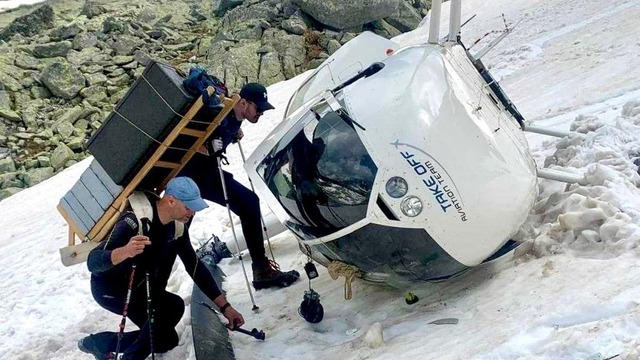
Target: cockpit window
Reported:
point(322, 177)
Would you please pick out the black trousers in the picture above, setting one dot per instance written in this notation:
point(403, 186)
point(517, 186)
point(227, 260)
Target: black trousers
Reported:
point(242, 201)
point(136, 345)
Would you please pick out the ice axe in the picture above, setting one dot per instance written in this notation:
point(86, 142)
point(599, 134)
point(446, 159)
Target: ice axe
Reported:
point(258, 334)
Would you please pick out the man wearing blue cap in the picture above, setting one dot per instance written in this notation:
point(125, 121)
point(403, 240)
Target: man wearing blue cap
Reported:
point(203, 169)
point(154, 253)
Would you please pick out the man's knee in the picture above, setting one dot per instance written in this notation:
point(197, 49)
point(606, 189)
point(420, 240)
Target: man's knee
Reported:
point(173, 308)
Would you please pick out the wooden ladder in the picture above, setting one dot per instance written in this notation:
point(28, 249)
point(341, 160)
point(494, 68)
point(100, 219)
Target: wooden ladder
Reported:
point(77, 253)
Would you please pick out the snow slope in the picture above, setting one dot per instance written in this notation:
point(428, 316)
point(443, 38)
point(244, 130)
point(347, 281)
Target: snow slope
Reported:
point(570, 292)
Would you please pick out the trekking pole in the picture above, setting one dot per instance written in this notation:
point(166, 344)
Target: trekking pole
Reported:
point(264, 226)
point(126, 309)
point(150, 317)
point(255, 308)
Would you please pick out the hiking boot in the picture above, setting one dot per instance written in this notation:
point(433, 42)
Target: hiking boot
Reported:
point(267, 274)
point(87, 345)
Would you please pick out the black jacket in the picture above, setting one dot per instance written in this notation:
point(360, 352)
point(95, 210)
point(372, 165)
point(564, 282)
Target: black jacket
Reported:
point(157, 258)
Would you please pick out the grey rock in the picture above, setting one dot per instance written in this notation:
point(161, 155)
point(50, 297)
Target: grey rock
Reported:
point(44, 161)
point(181, 47)
point(332, 46)
point(75, 143)
point(5, 100)
point(120, 81)
point(142, 57)
point(31, 24)
point(270, 69)
point(384, 29)
point(342, 15)
point(23, 135)
point(26, 62)
point(69, 115)
point(60, 156)
point(63, 80)
point(113, 25)
point(294, 25)
point(65, 32)
point(81, 126)
point(86, 56)
point(122, 59)
point(126, 44)
point(91, 69)
point(8, 82)
point(92, 9)
point(226, 5)
point(95, 79)
point(64, 129)
point(7, 165)
point(37, 175)
point(53, 49)
point(9, 191)
point(146, 15)
point(84, 40)
point(40, 92)
point(10, 115)
point(116, 97)
point(406, 18)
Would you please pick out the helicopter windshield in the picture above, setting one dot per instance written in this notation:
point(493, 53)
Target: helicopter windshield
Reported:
point(322, 176)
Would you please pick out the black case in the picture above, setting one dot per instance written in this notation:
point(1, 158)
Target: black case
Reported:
point(122, 148)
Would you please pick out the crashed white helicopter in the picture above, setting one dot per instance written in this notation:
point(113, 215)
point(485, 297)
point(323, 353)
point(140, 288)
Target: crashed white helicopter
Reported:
point(407, 163)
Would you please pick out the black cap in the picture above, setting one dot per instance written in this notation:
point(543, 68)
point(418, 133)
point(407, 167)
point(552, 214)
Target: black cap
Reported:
point(257, 94)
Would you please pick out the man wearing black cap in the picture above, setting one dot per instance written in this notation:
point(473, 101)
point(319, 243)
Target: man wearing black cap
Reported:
point(203, 169)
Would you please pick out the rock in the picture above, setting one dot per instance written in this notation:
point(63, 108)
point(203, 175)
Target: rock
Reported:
point(84, 40)
point(69, 115)
point(226, 5)
point(43, 161)
point(37, 175)
point(91, 9)
point(406, 18)
point(53, 49)
point(270, 69)
point(146, 15)
point(294, 25)
point(95, 79)
point(31, 24)
point(383, 28)
point(85, 56)
point(7, 165)
point(6, 192)
point(126, 44)
point(342, 15)
point(181, 47)
point(60, 156)
point(65, 129)
point(5, 100)
point(39, 92)
point(63, 80)
point(332, 46)
point(8, 82)
point(75, 143)
point(10, 115)
point(65, 32)
point(26, 62)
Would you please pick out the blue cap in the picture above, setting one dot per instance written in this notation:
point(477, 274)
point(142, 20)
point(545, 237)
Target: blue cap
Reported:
point(186, 190)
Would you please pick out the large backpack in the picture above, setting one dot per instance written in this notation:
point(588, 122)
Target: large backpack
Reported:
point(197, 82)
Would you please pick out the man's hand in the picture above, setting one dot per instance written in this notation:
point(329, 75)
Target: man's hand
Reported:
point(239, 136)
point(217, 145)
point(235, 318)
point(136, 245)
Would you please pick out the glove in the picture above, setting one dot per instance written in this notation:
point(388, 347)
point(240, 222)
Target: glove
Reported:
point(217, 145)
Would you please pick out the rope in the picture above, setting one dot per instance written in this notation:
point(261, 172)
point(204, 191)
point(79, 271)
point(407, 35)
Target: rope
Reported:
point(339, 268)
